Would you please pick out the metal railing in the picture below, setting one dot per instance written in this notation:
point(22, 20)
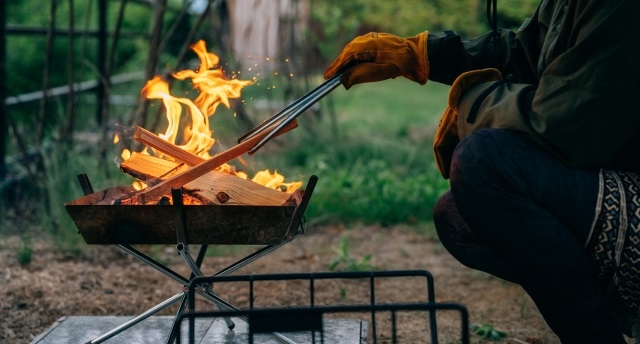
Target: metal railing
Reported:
point(278, 321)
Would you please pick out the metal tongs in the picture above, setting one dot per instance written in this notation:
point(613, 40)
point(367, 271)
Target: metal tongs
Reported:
point(291, 112)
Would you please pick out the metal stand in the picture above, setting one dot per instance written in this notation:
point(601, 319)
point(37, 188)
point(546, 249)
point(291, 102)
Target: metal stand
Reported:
point(203, 289)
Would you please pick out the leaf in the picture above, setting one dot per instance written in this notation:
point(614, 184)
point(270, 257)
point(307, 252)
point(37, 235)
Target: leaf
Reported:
point(487, 331)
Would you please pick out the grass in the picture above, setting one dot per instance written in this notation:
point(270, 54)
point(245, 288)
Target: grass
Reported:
point(345, 262)
point(62, 167)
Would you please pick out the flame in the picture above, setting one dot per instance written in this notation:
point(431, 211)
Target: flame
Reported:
point(210, 81)
point(126, 154)
point(139, 185)
point(275, 181)
point(197, 137)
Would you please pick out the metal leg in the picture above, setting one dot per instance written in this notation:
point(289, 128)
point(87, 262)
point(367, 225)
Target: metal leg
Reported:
point(172, 334)
point(154, 264)
point(183, 247)
point(206, 292)
point(151, 311)
point(248, 259)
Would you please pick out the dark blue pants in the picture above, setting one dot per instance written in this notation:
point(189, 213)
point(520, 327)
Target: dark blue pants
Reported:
point(518, 213)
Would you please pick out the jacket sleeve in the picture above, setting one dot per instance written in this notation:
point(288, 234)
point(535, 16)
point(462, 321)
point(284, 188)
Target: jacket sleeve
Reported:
point(582, 104)
point(510, 52)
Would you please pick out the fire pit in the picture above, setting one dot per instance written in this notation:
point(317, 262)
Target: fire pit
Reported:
point(124, 225)
point(105, 224)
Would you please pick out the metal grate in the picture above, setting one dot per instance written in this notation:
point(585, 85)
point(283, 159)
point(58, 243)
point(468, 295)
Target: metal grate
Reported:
point(276, 321)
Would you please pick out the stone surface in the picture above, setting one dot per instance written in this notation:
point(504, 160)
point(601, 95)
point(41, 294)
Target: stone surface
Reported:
point(84, 329)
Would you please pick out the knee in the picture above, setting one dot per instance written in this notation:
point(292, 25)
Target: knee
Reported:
point(478, 152)
point(442, 210)
point(444, 221)
point(480, 167)
point(449, 225)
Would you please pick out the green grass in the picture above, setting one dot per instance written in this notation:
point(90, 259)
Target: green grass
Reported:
point(62, 167)
point(345, 262)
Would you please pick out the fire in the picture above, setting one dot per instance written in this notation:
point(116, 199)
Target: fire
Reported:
point(197, 137)
point(274, 181)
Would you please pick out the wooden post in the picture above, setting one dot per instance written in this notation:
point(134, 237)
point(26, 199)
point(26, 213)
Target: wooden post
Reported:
point(4, 123)
point(102, 55)
point(68, 126)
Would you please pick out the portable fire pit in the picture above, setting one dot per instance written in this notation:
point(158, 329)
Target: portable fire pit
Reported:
point(106, 224)
point(180, 224)
point(188, 198)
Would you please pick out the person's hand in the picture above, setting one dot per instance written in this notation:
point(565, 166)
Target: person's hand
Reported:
point(380, 56)
point(446, 138)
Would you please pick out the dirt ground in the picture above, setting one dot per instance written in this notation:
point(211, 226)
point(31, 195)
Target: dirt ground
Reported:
point(106, 281)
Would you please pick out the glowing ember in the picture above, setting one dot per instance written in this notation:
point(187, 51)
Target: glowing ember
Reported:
point(197, 137)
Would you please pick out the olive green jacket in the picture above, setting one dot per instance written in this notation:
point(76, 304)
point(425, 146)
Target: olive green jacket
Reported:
point(574, 85)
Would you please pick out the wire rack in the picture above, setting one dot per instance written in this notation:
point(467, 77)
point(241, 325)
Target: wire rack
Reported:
point(381, 321)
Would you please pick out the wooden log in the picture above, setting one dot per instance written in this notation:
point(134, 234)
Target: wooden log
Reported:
point(217, 187)
point(146, 167)
point(150, 139)
point(202, 168)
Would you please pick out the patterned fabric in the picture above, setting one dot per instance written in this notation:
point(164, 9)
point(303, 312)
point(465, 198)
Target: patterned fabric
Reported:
point(614, 243)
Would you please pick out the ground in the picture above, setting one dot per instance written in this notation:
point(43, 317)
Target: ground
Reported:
point(106, 281)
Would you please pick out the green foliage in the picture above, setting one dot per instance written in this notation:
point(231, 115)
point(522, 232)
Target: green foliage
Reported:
point(337, 22)
point(24, 252)
point(370, 191)
point(26, 54)
point(62, 167)
point(487, 331)
point(343, 293)
point(344, 261)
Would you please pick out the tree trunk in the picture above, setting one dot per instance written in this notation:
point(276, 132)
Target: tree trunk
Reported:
point(68, 127)
point(4, 123)
point(45, 73)
point(225, 44)
point(159, 7)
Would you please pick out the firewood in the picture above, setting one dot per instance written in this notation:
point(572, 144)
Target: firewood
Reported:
point(148, 138)
point(146, 167)
point(217, 187)
point(206, 166)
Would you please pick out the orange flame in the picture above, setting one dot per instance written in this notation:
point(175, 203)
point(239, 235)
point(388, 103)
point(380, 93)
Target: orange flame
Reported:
point(210, 81)
point(214, 89)
point(198, 136)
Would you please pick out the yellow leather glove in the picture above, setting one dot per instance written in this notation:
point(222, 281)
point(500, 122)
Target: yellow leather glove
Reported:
point(380, 56)
point(446, 138)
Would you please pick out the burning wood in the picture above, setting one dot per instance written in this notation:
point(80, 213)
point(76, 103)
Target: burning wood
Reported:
point(147, 168)
point(202, 167)
point(217, 187)
point(146, 137)
point(195, 171)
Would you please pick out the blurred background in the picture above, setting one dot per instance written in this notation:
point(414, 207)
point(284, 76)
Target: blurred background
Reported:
point(71, 72)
